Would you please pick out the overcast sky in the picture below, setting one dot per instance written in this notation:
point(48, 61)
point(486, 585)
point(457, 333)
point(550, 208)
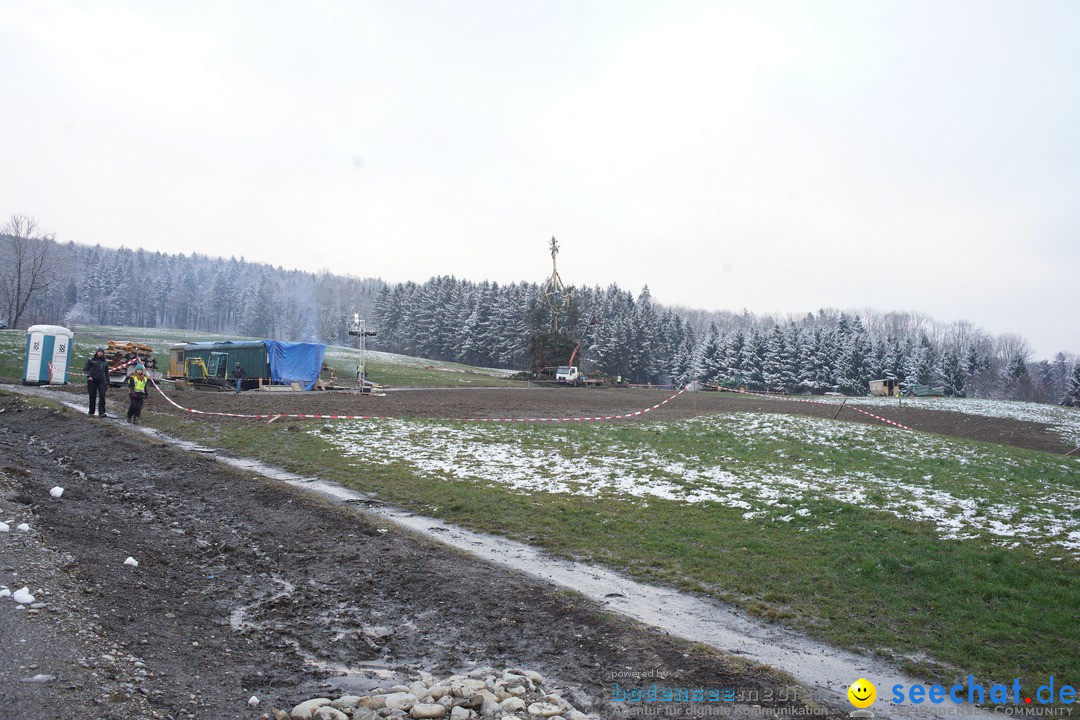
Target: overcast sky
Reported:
point(773, 156)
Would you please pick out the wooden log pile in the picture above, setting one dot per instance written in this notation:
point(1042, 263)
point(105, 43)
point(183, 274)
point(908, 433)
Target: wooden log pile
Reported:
point(120, 354)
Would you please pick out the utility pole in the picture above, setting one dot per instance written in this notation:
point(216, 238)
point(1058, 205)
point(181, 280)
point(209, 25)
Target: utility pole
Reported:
point(359, 330)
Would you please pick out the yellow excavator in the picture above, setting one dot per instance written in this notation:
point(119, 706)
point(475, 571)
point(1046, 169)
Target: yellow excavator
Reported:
point(195, 372)
point(195, 363)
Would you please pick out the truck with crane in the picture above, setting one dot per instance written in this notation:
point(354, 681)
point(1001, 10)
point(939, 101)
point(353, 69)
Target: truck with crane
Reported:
point(569, 374)
point(549, 344)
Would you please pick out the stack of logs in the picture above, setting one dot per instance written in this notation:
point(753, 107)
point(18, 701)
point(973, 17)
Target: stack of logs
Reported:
point(121, 354)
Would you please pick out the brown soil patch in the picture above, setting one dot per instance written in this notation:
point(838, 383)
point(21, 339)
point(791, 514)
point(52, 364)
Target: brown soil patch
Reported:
point(562, 402)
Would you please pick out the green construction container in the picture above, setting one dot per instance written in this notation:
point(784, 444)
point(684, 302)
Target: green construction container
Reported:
point(220, 357)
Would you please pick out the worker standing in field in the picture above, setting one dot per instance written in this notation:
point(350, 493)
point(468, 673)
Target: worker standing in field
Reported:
point(96, 370)
point(137, 392)
point(238, 373)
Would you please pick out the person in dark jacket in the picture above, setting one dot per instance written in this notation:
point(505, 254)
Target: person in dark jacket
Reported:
point(137, 391)
point(238, 373)
point(96, 370)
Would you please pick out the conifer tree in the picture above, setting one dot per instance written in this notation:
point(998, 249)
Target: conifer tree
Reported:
point(710, 356)
point(754, 367)
point(953, 374)
point(1072, 388)
point(772, 367)
point(734, 360)
point(790, 376)
point(808, 354)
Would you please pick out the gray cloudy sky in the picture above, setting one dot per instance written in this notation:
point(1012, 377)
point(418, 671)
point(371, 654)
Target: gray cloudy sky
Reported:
point(773, 156)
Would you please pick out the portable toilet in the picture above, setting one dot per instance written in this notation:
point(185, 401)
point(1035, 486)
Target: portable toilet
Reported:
point(48, 354)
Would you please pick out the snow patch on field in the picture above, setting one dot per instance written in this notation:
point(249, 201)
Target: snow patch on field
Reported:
point(351, 355)
point(1064, 420)
point(975, 495)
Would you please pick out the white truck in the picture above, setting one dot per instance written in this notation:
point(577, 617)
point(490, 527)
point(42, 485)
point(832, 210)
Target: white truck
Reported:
point(567, 374)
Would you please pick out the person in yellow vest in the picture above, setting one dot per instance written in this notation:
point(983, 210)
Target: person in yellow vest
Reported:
point(137, 391)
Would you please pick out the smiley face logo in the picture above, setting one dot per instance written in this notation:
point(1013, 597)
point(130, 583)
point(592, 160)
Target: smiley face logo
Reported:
point(862, 693)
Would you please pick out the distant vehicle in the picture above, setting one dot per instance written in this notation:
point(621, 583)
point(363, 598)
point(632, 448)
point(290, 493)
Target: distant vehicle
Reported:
point(200, 378)
point(570, 375)
point(567, 374)
point(738, 383)
point(3, 326)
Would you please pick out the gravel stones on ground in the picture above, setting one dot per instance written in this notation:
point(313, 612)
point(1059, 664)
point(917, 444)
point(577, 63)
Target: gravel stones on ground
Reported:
point(481, 693)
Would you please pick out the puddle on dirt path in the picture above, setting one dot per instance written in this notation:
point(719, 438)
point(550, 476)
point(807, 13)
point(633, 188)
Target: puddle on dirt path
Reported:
point(813, 664)
point(359, 678)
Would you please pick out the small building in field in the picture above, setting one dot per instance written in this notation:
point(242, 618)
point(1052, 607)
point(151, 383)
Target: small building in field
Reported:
point(272, 362)
point(176, 361)
point(886, 388)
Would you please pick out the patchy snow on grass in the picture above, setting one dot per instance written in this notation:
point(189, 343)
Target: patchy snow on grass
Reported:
point(1064, 420)
point(970, 492)
point(352, 356)
point(89, 336)
point(495, 456)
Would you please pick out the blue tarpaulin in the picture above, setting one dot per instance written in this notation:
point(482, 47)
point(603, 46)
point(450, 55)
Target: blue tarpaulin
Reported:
point(298, 362)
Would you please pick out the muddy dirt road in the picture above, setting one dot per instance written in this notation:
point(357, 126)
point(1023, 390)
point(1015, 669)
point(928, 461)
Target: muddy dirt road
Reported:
point(245, 587)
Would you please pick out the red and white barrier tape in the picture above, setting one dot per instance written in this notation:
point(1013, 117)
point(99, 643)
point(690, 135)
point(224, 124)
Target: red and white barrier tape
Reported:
point(307, 416)
point(878, 417)
point(598, 418)
point(123, 365)
point(820, 402)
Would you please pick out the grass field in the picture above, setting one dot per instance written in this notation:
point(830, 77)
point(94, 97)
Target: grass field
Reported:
point(947, 556)
point(383, 368)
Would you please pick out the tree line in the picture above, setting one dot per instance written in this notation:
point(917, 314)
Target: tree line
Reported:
point(95, 285)
point(498, 325)
point(622, 335)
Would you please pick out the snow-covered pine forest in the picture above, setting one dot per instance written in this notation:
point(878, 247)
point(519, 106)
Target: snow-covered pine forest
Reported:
point(488, 324)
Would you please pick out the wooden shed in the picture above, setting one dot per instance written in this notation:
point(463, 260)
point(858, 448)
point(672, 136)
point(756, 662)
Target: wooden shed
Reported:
point(887, 387)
